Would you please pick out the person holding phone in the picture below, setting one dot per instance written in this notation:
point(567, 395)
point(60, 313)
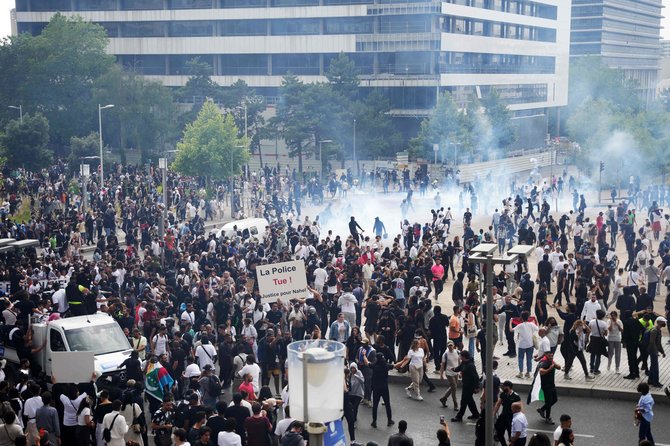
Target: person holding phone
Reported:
point(443, 434)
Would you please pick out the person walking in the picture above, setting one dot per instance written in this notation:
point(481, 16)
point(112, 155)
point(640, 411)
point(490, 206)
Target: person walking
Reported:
point(597, 340)
point(655, 347)
point(547, 370)
point(574, 345)
point(503, 423)
point(519, 426)
point(116, 424)
point(525, 332)
point(416, 358)
point(450, 361)
point(614, 331)
point(470, 382)
point(644, 412)
point(380, 388)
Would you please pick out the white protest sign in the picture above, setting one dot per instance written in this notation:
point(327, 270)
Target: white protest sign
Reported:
point(73, 367)
point(286, 280)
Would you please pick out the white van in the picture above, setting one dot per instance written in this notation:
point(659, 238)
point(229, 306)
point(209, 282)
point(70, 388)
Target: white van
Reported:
point(251, 228)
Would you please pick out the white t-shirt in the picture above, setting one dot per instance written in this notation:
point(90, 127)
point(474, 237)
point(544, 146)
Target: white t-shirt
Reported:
point(255, 372)
point(81, 418)
point(347, 302)
point(450, 358)
point(205, 354)
point(524, 333)
point(228, 439)
point(282, 426)
point(416, 357)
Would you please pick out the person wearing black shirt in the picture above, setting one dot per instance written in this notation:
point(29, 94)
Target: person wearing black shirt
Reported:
point(438, 329)
point(632, 331)
point(239, 413)
point(511, 311)
point(544, 270)
point(353, 230)
point(470, 382)
point(217, 422)
point(457, 289)
point(133, 367)
point(503, 423)
point(547, 370)
point(380, 388)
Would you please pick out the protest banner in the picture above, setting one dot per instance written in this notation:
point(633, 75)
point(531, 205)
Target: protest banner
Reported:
point(286, 280)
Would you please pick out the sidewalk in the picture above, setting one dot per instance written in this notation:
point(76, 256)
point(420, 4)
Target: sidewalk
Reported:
point(607, 385)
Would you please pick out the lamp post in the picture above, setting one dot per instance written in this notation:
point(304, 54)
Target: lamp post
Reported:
point(162, 165)
point(355, 162)
point(20, 109)
point(316, 373)
point(327, 141)
point(84, 171)
point(483, 254)
point(102, 172)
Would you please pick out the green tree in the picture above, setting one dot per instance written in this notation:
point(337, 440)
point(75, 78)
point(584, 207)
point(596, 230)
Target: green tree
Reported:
point(247, 109)
point(376, 134)
point(503, 132)
point(144, 115)
point(211, 147)
point(81, 147)
point(54, 73)
point(342, 76)
point(26, 144)
point(444, 126)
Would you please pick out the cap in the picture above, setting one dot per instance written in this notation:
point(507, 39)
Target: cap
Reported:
point(450, 343)
point(365, 341)
point(661, 319)
point(208, 367)
point(131, 383)
point(508, 383)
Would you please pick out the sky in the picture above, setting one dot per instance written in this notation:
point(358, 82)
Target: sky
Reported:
point(7, 5)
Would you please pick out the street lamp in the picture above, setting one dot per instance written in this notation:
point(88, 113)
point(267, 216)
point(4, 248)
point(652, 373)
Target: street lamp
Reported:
point(163, 165)
point(316, 373)
point(483, 254)
point(20, 109)
point(84, 171)
point(327, 141)
point(102, 172)
point(232, 182)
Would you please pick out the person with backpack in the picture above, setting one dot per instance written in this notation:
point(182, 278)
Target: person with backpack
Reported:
point(114, 426)
point(210, 386)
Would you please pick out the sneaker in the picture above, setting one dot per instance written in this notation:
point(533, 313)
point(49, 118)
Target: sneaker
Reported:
point(590, 377)
point(473, 417)
point(409, 394)
point(527, 375)
point(597, 372)
point(419, 398)
point(436, 371)
point(519, 375)
point(549, 421)
point(631, 377)
point(457, 420)
point(444, 402)
point(541, 412)
point(617, 372)
point(567, 377)
point(390, 423)
point(374, 424)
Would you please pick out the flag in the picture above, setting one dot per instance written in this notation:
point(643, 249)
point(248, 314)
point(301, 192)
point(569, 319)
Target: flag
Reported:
point(536, 393)
point(156, 380)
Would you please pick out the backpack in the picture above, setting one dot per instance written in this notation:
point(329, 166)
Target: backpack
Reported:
point(107, 432)
point(214, 386)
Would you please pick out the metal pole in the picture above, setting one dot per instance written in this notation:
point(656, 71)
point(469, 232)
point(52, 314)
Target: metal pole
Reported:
point(321, 160)
point(246, 133)
point(102, 172)
point(83, 210)
point(232, 186)
point(490, 391)
point(161, 228)
point(21, 114)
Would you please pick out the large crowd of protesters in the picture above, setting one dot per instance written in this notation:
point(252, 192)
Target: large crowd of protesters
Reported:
point(190, 303)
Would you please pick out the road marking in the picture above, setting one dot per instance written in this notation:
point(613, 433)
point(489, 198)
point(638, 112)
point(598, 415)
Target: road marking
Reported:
point(576, 435)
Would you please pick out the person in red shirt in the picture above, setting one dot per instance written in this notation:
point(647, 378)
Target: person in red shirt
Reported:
point(248, 387)
point(438, 275)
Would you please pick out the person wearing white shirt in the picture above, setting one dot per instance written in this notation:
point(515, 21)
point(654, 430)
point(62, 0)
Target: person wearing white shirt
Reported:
point(524, 333)
point(116, 424)
point(591, 306)
point(642, 257)
point(205, 353)
point(188, 315)
point(544, 345)
point(254, 370)
point(320, 277)
point(347, 303)
point(30, 411)
point(451, 358)
point(228, 437)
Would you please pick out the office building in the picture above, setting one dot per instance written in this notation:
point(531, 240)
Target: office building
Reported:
point(410, 49)
point(625, 33)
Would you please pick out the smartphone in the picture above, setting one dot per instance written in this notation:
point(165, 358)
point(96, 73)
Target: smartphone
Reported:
point(441, 419)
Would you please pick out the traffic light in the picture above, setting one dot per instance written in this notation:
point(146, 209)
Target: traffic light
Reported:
point(602, 166)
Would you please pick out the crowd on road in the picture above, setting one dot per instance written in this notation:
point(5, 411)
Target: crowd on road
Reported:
point(399, 299)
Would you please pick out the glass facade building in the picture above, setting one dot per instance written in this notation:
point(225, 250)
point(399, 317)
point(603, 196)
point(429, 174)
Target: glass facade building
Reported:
point(625, 33)
point(412, 49)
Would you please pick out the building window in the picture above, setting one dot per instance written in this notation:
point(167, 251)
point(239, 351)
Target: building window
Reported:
point(96, 5)
point(300, 64)
point(113, 28)
point(50, 5)
point(489, 63)
point(243, 27)
point(243, 3)
point(349, 25)
point(152, 65)
point(404, 24)
point(190, 4)
point(364, 61)
point(244, 64)
point(141, 4)
point(295, 27)
point(31, 28)
point(179, 64)
point(191, 29)
point(295, 2)
point(143, 29)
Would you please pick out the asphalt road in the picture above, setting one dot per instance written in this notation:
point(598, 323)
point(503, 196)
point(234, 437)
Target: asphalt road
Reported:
point(595, 422)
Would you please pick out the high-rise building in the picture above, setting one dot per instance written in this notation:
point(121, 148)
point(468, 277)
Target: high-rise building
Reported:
point(625, 33)
point(411, 49)
point(665, 48)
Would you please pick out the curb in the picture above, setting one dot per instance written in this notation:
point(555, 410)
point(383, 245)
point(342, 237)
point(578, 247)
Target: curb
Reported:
point(577, 390)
